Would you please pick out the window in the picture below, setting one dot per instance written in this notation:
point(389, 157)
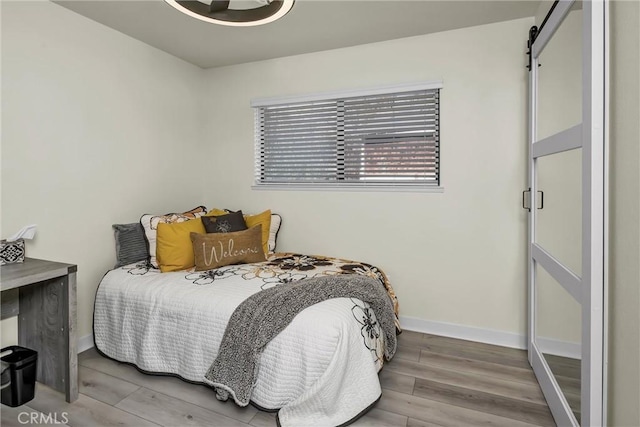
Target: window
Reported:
point(382, 137)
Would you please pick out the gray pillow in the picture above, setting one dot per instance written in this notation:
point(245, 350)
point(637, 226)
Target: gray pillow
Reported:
point(131, 245)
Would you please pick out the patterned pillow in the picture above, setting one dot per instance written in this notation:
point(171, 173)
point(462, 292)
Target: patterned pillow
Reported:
point(213, 250)
point(131, 245)
point(227, 223)
point(150, 224)
point(276, 222)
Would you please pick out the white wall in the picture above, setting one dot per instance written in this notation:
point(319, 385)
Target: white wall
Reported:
point(455, 257)
point(624, 243)
point(97, 128)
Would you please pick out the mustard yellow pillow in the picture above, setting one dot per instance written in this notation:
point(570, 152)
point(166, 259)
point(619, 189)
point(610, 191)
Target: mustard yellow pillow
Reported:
point(174, 248)
point(264, 219)
point(216, 212)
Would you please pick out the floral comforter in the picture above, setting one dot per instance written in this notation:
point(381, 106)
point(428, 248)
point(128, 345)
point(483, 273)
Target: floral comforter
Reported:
point(174, 322)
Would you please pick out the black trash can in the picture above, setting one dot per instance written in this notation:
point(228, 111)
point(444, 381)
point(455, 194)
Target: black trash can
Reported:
point(18, 375)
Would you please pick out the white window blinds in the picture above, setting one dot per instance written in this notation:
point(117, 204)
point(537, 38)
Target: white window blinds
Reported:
point(382, 139)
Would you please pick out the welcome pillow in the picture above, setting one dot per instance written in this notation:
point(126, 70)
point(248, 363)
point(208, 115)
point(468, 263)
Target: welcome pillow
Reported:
point(213, 250)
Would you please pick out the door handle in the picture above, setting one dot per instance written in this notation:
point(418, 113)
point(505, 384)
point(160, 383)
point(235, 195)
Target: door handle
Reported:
point(525, 199)
point(541, 199)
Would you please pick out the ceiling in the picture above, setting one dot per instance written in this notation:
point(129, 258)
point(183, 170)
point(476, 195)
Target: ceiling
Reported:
point(311, 26)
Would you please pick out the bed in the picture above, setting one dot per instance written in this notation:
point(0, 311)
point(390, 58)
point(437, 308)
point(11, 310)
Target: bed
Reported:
point(322, 369)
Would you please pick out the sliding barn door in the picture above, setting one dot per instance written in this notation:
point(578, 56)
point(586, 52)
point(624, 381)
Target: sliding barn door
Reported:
point(566, 205)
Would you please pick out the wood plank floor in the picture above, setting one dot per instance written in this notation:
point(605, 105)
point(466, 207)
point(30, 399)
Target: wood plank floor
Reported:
point(432, 381)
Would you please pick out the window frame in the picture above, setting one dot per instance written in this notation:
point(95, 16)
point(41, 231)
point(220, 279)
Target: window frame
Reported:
point(368, 185)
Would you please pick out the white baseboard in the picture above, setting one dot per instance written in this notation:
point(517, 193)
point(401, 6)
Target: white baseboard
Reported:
point(85, 343)
point(490, 336)
point(572, 350)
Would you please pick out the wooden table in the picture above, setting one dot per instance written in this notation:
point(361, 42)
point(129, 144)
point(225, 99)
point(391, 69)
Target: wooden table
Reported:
point(43, 296)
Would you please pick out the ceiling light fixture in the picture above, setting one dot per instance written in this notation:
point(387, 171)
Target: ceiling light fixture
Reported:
point(240, 14)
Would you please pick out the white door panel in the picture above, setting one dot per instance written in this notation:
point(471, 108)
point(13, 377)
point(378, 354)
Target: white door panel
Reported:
point(566, 232)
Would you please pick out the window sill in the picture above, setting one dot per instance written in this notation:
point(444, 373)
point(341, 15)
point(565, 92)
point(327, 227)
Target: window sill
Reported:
point(349, 188)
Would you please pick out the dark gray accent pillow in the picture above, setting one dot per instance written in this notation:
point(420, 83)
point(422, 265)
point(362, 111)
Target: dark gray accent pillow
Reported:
point(131, 245)
point(233, 221)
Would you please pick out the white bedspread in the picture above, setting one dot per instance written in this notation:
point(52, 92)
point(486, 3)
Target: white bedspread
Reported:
point(321, 370)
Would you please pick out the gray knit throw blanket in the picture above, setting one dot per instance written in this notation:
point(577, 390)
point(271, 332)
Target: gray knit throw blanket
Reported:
point(262, 316)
